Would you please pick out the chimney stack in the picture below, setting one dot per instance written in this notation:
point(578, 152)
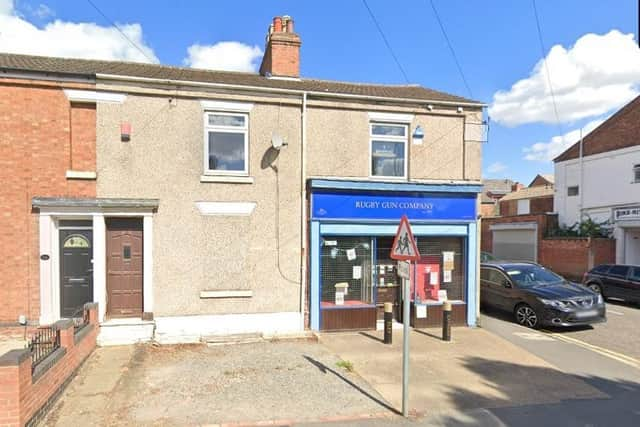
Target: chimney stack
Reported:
point(282, 51)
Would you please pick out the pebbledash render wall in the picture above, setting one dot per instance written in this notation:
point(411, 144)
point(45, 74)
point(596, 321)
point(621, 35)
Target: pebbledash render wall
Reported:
point(261, 252)
point(43, 136)
point(258, 253)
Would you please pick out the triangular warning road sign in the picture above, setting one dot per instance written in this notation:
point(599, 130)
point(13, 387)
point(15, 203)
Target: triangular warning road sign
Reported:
point(404, 245)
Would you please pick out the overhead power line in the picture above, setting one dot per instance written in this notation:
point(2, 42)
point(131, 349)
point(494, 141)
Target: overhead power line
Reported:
point(386, 42)
point(453, 52)
point(546, 65)
point(134, 44)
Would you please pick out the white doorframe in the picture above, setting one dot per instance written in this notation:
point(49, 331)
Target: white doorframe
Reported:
point(50, 259)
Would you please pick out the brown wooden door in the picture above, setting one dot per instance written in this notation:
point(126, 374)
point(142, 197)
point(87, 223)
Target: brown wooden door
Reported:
point(124, 267)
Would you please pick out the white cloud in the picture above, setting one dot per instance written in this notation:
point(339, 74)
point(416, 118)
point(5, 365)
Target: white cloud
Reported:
point(496, 167)
point(69, 39)
point(546, 151)
point(230, 56)
point(598, 74)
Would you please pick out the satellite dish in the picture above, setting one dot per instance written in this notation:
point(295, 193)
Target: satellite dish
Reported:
point(277, 142)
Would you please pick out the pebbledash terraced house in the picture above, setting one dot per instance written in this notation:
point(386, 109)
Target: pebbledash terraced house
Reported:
point(225, 202)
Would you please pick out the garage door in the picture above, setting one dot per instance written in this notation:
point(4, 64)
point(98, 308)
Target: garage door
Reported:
point(515, 245)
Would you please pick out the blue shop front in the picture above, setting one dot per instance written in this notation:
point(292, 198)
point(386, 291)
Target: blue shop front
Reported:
point(352, 227)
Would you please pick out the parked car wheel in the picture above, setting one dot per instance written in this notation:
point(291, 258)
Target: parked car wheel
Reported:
point(526, 316)
point(595, 288)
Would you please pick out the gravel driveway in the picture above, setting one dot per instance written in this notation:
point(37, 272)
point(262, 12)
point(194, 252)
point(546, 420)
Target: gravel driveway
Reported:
point(194, 385)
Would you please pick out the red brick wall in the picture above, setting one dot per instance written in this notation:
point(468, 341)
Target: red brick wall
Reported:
point(572, 257)
point(21, 394)
point(36, 127)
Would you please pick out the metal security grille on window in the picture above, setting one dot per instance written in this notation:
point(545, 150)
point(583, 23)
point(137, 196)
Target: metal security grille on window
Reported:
point(573, 191)
point(433, 247)
point(346, 260)
point(226, 143)
point(636, 173)
point(388, 150)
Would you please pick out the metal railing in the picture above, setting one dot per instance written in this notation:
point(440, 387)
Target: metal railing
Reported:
point(44, 341)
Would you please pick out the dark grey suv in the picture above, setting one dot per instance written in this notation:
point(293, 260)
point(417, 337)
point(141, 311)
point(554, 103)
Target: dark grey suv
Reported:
point(615, 281)
point(537, 296)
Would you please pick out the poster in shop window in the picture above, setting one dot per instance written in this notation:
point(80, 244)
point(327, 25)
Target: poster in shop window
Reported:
point(447, 260)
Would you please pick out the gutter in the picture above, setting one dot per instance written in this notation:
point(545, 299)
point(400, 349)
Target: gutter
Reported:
point(298, 92)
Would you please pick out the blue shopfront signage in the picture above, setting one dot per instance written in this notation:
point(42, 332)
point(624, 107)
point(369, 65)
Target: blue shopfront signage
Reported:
point(373, 206)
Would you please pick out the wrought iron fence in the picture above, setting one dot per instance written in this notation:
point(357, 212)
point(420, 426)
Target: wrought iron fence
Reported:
point(44, 341)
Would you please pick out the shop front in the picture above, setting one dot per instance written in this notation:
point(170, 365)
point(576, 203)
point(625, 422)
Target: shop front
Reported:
point(351, 234)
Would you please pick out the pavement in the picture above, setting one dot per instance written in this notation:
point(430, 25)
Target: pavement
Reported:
point(499, 375)
point(149, 385)
point(476, 370)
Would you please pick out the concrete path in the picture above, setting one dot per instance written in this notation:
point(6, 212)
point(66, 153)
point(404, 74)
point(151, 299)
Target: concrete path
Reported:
point(150, 385)
point(477, 370)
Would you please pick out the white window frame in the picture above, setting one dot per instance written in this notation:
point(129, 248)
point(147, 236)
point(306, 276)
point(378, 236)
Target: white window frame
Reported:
point(523, 207)
point(404, 139)
point(229, 129)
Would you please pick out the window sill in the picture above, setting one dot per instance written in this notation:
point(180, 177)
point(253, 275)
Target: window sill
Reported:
point(227, 179)
point(89, 175)
point(226, 294)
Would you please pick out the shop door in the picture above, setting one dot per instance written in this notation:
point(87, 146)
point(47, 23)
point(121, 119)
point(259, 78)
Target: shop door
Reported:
point(124, 267)
point(76, 270)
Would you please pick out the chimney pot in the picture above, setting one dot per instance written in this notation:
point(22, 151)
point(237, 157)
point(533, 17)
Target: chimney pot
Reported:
point(277, 24)
point(290, 26)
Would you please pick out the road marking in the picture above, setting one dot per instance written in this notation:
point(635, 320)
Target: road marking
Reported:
point(615, 312)
point(622, 358)
point(532, 336)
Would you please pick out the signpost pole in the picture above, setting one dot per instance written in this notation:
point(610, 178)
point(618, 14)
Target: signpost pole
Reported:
point(405, 347)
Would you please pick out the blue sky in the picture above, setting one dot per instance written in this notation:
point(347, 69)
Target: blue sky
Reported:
point(496, 43)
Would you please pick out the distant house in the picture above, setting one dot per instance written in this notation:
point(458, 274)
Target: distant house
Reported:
point(492, 191)
point(599, 177)
point(523, 220)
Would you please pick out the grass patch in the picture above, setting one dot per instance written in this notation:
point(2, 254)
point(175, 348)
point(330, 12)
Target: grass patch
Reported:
point(345, 364)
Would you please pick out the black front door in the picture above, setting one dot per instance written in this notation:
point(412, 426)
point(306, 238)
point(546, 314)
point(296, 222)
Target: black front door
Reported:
point(76, 270)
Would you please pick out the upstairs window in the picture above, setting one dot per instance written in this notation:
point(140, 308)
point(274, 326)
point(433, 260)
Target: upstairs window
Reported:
point(226, 144)
point(636, 173)
point(524, 207)
point(574, 190)
point(388, 150)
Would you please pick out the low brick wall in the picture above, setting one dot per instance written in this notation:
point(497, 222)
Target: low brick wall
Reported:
point(25, 396)
point(571, 257)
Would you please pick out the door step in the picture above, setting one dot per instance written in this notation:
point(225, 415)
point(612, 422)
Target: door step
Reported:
point(125, 331)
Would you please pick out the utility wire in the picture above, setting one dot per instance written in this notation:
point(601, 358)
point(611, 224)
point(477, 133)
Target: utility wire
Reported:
point(453, 52)
point(546, 65)
point(152, 60)
point(386, 42)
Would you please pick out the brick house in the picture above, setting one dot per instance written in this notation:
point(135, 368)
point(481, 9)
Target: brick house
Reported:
point(234, 202)
point(492, 191)
point(526, 215)
point(599, 178)
point(47, 148)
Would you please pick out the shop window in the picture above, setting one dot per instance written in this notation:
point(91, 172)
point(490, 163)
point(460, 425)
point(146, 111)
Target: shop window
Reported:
point(226, 144)
point(389, 150)
point(346, 272)
point(438, 278)
point(574, 190)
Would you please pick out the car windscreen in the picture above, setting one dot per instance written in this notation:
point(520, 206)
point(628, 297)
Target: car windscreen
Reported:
point(532, 275)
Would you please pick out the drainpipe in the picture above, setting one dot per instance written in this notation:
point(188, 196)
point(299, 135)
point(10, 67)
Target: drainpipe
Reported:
point(303, 210)
point(581, 188)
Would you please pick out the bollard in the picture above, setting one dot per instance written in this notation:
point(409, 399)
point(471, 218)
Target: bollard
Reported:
point(388, 323)
point(446, 321)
